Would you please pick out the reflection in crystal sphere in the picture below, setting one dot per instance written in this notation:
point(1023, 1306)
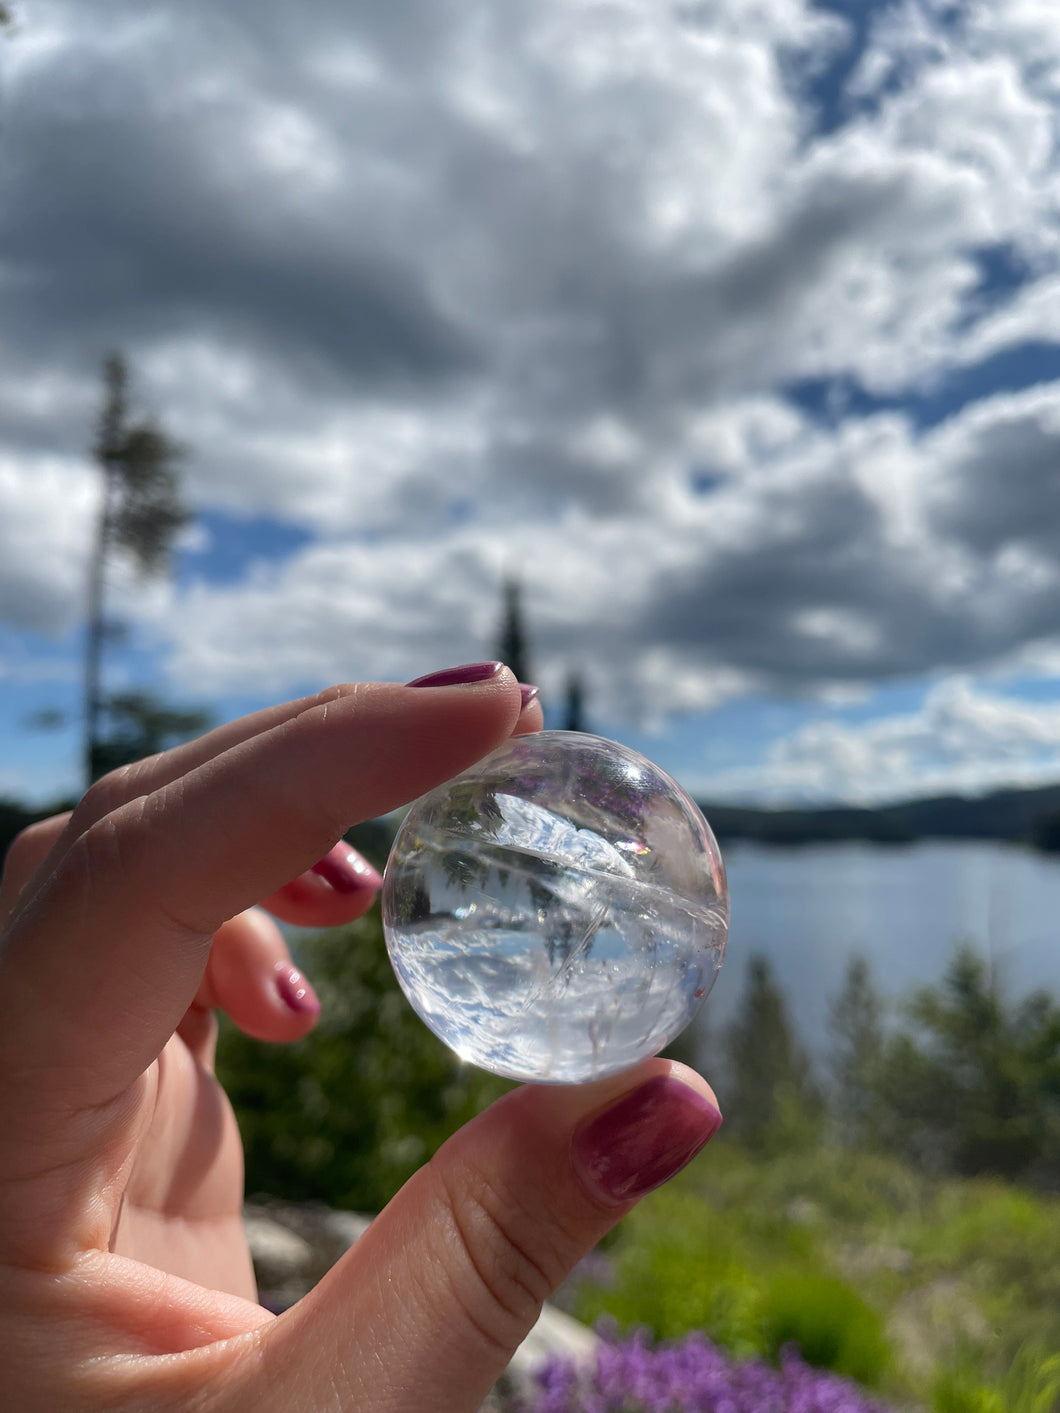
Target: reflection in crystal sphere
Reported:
point(559, 911)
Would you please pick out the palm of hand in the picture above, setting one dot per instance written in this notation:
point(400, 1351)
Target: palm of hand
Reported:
point(180, 1211)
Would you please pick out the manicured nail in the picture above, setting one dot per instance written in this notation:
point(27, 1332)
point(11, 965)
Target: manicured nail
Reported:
point(528, 694)
point(643, 1138)
point(295, 992)
point(458, 676)
point(346, 871)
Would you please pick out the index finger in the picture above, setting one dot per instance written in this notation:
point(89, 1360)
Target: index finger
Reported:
point(104, 960)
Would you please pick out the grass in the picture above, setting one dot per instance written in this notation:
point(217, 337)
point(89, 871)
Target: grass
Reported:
point(939, 1293)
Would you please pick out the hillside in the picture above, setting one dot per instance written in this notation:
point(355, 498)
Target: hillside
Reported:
point(1020, 816)
point(1026, 816)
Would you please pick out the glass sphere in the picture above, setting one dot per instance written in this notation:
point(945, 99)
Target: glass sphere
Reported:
point(559, 911)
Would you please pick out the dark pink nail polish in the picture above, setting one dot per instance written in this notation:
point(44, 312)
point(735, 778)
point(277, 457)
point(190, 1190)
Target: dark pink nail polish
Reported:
point(459, 676)
point(528, 694)
point(295, 992)
point(642, 1139)
point(346, 872)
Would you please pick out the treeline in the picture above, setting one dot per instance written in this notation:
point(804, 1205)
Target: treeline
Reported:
point(1015, 816)
point(963, 1079)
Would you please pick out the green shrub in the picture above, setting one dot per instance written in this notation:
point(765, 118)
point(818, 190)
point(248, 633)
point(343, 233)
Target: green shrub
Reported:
point(1031, 1385)
point(753, 1281)
point(830, 1324)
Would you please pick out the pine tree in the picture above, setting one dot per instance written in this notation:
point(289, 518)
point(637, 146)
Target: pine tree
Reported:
point(772, 1102)
point(574, 719)
point(512, 644)
point(974, 1084)
point(140, 725)
point(855, 1056)
point(140, 512)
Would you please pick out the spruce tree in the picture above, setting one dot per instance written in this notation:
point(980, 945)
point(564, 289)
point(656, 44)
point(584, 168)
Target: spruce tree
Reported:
point(574, 717)
point(855, 1057)
point(140, 512)
point(974, 1083)
point(772, 1102)
point(512, 643)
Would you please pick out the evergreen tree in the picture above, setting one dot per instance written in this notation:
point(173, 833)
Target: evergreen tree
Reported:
point(512, 644)
point(140, 513)
point(772, 1100)
point(855, 1057)
point(973, 1084)
point(141, 725)
point(574, 719)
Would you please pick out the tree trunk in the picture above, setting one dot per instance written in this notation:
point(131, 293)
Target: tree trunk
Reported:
point(95, 627)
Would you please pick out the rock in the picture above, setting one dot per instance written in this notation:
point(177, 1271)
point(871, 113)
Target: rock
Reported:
point(347, 1226)
point(280, 1256)
point(275, 1230)
point(294, 1244)
point(554, 1334)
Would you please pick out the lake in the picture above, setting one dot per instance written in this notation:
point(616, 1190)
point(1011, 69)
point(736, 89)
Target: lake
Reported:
point(905, 908)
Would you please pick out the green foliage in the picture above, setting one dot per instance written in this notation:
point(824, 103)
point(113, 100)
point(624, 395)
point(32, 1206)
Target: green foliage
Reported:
point(1045, 835)
point(754, 1282)
point(855, 1058)
point(772, 1102)
point(348, 1114)
point(139, 724)
point(973, 1084)
point(830, 1324)
point(512, 645)
point(574, 709)
point(142, 504)
point(912, 1283)
point(1031, 1385)
point(141, 512)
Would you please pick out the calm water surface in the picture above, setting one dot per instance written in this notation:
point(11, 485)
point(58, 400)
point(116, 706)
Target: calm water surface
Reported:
point(808, 910)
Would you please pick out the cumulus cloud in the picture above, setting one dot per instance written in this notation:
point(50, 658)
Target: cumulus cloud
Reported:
point(465, 290)
point(963, 740)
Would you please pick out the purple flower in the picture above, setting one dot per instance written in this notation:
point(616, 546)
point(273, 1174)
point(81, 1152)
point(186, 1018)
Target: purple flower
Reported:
point(691, 1376)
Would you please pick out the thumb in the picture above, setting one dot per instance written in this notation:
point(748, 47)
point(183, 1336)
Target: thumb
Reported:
point(429, 1306)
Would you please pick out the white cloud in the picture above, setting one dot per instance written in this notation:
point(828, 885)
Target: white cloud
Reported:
point(47, 507)
point(963, 739)
point(473, 290)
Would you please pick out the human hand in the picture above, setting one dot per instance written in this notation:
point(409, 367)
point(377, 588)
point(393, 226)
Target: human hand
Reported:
point(124, 1276)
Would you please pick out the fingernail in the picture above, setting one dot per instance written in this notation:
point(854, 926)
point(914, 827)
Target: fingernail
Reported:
point(458, 676)
point(346, 872)
point(295, 992)
point(528, 694)
point(643, 1139)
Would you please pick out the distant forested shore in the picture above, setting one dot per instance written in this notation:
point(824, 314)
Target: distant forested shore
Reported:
point(1013, 815)
point(1017, 816)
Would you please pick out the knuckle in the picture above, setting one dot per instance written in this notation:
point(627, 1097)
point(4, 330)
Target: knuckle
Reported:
point(26, 848)
point(109, 793)
point(94, 854)
point(102, 796)
point(506, 1270)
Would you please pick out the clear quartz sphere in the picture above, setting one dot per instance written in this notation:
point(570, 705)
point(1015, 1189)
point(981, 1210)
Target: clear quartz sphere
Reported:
point(559, 911)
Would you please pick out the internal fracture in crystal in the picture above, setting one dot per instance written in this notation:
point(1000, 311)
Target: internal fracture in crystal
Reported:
point(559, 911)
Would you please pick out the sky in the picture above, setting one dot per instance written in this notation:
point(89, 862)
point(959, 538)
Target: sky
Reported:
point(730, 328)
